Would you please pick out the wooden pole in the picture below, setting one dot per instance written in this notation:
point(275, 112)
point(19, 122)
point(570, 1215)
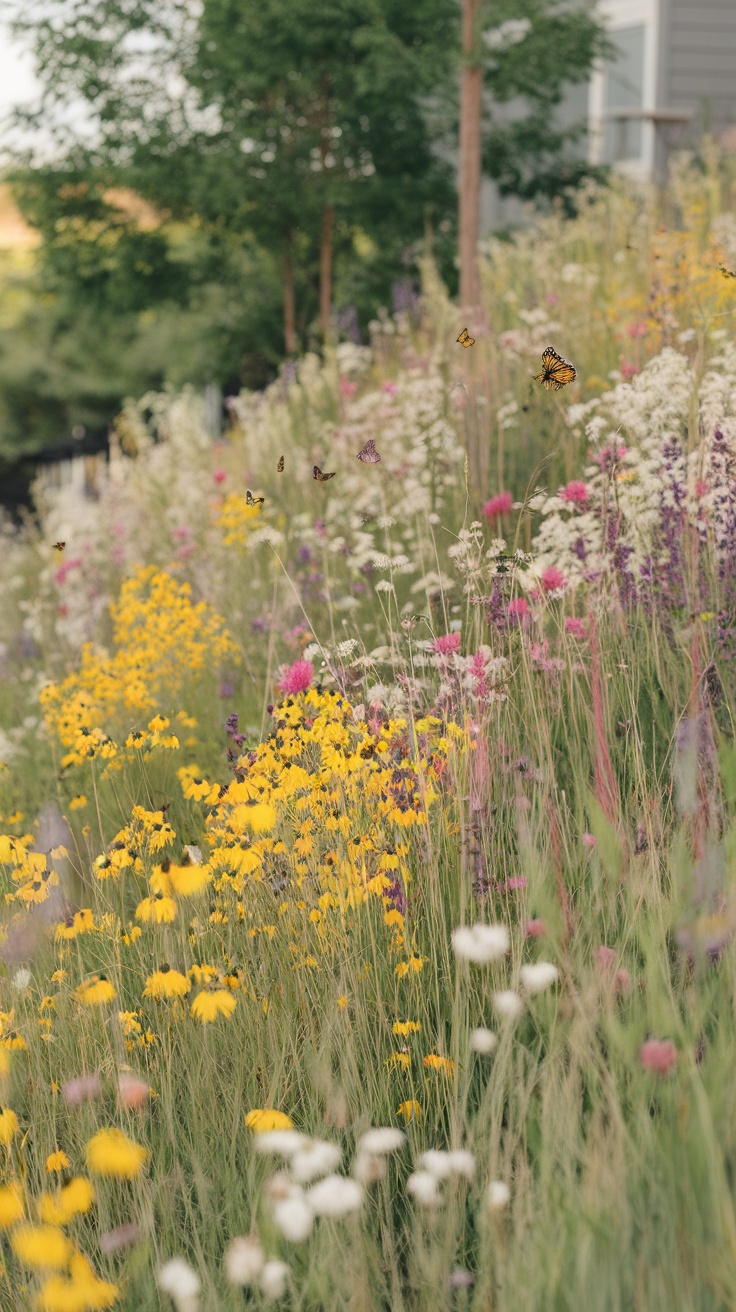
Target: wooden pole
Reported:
point(471, 86)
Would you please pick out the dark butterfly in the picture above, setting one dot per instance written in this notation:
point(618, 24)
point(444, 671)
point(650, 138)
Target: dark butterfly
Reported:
point(59, 546)
point(280, 466)
point(465, 339)
point(369, 455)
point(320, 477)
point(726, 272)
point(557, 372)
point(250, 500)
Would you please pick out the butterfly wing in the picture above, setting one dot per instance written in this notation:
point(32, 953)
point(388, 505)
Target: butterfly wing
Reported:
point(321, 478)
point(250, 500)
point(59, 546)
point(465, 339)
point(369, 455)
point(280, 466)
point(557, 372)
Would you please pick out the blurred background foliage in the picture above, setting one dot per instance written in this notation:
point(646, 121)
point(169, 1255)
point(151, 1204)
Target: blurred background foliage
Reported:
point(242, 158)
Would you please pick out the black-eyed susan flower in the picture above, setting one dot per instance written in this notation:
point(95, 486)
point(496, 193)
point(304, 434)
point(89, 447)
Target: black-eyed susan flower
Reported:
point(11, 1205)
point(112, 1153)
point(208, 1005)
point(44, 1247)
point(96, 991)
point(188, 879)
point(159, 908)
point(263, 1119)
point(166, 983)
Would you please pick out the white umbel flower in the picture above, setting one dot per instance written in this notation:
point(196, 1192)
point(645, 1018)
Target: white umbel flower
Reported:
point(177, 1279)
point(423, 1188)
point(335, 1196)
point(538, 976)
point(316, 1158)
point(483, 1041)
point(480, 943)
point(498, 1195)
point(244, 1260)
point(273, 1279)
point(21, 979)
point(382, 1139)
point(508, 1004)
point(294, 1217)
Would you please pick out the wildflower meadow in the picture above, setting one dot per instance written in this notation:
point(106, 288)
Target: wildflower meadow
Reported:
point(368, 845)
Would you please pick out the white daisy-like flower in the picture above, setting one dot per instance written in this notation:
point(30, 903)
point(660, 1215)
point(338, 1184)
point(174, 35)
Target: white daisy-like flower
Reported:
point(381, 1139)
point(244, 1260)
point(508, 1004)
point(314, 1159)
point(483, 1041)
point(284, 1143)
point(335, 1196)
point(538, 976)
point(498, 1195)
point(177, 1279)
point(480, 943)
point(273, 1278)
point(294, 1217)
point(423, 1188)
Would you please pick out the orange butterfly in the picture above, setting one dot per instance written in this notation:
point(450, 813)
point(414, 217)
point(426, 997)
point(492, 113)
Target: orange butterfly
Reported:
point(465, 339)
point(369, 455)
point(280, 466)
point(557, 372)
point(59, 546)
point(320, 477)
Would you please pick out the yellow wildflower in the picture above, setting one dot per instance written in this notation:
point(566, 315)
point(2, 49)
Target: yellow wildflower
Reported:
point(160, 908)
point(410, 1110)
point(11, 1205)
point(57, 1161)
point(110, 1152)
point(44, 1246)
point(208, 1006)
point(189, 879)
point(78, 802)
point(8, 1125)
point(166, 983)
point(404, 1027)
point(82, 1292)
point(263, 1119)
point(96, 991)
point(436, 1063)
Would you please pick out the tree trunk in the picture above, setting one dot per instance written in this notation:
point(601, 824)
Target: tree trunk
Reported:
point(471, 84)
point(289, 303)
point(325, 272)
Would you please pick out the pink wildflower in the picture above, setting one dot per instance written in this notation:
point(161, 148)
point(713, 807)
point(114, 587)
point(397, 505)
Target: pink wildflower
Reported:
point(637, 330)
point(605, 957)
point(575, 490)
point(518, 608)
point(552, 299)
point(219, 475)
point(77, 1091)
point(62, 571)
point(576, 628)
point(553, 579)
point(622, 981)
point(133, 1092)
point(535, 928)
point(113, 1240)
point(346, 387)
point(658, 1056)
point(589, 840)
point(701, 488)
point(499, 505)
point(628, 370)
point(296, 679)
point(446, 644)
point(391, 388)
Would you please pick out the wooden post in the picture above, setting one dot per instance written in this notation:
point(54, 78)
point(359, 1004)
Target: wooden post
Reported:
point(471, 86)
point(325, 272)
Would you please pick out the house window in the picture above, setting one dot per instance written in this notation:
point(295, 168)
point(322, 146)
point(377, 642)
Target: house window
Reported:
point(624, 90)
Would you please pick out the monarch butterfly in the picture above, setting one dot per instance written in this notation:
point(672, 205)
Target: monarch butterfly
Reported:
point(320, 477)
point(369, 455)
point(59, 546)
point(465, 339)
point(557, 372)
point(726, 272)
point(280, 466)
point(250, 500)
